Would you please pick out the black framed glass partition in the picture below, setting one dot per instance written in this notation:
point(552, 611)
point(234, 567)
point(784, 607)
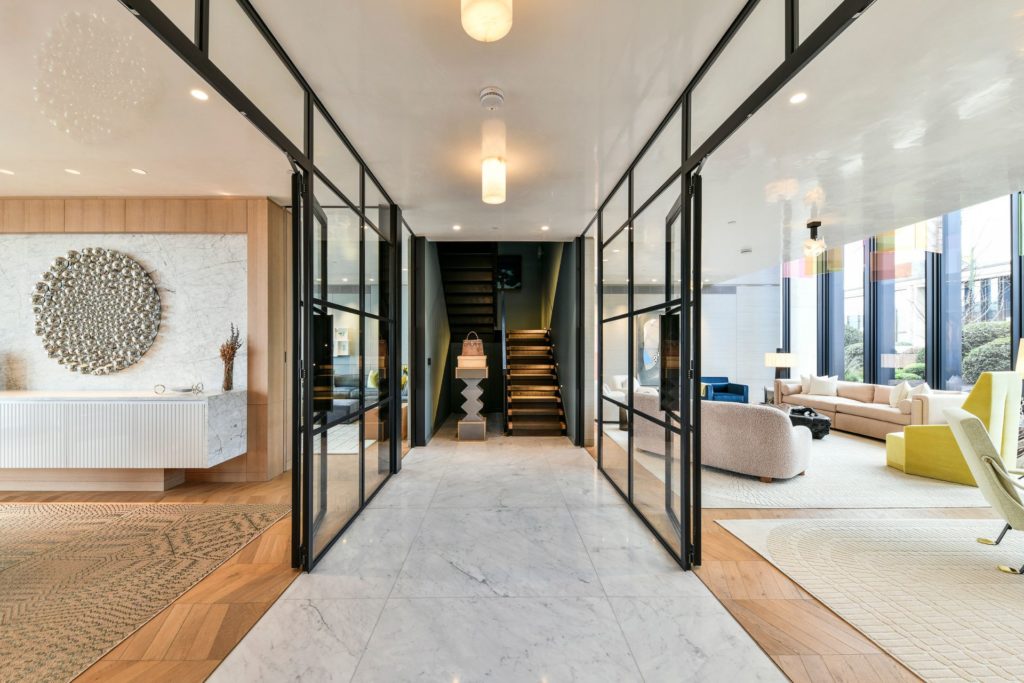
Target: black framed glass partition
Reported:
point(347, 251)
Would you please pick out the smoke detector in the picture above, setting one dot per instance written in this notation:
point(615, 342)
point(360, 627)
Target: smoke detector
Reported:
point(491, 98)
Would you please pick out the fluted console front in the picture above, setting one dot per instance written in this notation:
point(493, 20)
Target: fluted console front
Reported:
point(84, 430)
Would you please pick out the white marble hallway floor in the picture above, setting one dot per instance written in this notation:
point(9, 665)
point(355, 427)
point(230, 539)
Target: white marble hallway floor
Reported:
point(509, 560)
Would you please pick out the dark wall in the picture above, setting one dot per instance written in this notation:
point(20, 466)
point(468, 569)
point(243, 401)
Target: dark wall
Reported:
point(563, 332)
point(437, 385)
point(523, 306)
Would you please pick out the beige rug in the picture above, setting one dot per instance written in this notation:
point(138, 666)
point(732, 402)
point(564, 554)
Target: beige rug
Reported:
point(76, 579)
point(923, 590)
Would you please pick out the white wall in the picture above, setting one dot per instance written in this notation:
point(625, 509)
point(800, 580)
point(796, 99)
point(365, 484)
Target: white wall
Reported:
point(202, 285)
point(740, 323)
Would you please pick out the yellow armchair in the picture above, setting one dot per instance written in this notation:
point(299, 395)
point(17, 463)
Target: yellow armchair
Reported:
point(932, 450)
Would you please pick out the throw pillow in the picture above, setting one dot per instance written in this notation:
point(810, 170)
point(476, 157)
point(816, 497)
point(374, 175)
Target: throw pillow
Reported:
point(899, 392)
point(805, 384)
point(373, 379)
point(824, 386)
point(920, 390)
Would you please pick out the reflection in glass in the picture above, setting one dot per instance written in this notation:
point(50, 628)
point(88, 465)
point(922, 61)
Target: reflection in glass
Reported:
point(335, 250)
point(853, 312)
point(657, 254)
point(656, 363)
point(335, 498)
point(657, 471)
point(335, 160)
point(615, 276)
point(659, 162)
point(898, 271)
point(376, 361)
point(615, 444)
point(377, 447)
point(615, 360)
point(803, 295)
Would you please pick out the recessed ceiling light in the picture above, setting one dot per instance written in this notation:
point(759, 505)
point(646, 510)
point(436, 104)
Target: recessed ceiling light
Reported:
point(615, 251)
point(72, 171)
point(371, 279)
point(545, 228)
point(199, 94)
point(405, 270)
point(654, 279)
point(138, 171)
point(456, 228)
point(6, 172)
point(344, 279)
point(797, 98)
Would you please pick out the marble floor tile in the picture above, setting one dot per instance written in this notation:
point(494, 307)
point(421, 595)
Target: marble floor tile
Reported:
point(497, 552)
point(690, 639)
point(408, 489)
point(586, 488)
point(366, 560)
point(498, 639)
point(628, 558)
point(487, 486)
point(303, 640)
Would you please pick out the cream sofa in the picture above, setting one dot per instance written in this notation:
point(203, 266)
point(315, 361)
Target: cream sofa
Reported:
point(864, 408)
point(748, 439)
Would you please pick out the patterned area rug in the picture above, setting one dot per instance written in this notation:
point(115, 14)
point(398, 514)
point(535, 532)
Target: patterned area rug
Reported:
point(76, 579)
point(923, 590)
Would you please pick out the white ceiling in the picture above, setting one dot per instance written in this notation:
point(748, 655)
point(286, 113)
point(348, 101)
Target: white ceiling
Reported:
point(586, 82)
point(916, 110)
point(139, 91)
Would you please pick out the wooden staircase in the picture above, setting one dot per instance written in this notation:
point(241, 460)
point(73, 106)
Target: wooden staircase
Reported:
point(534, 400)
point(468, 271)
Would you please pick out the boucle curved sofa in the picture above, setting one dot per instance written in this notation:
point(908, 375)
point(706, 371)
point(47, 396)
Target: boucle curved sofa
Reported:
point(755, 440)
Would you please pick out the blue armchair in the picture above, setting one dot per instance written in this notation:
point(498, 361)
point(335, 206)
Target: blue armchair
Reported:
point(721, 389)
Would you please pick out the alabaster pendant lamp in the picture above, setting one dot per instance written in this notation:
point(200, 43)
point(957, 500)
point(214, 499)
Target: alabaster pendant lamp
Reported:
point(492, 173)
point(487, 20)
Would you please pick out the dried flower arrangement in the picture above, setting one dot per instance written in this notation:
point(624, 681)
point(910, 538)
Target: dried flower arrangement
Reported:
point(227, 354)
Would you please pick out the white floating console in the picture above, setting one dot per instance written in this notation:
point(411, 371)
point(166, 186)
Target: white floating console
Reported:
point(84, 430)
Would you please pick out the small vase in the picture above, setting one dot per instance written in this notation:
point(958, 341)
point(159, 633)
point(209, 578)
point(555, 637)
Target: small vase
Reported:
point(229, 375)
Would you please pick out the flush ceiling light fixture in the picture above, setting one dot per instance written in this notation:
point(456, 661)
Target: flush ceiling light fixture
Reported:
point(456, 228)
point(6, 172)
point(492, 173)
point(199, 94)
point(798, 98)
point(72, 171)
point(138, 171)
point(487, 20)
point(545, 228)
point(815, 246)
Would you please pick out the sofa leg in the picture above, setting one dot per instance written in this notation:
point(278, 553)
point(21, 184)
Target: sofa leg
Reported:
point(766, 480)
point(988, 541)
point(803, 473)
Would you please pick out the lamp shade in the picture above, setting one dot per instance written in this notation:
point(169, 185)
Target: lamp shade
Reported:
point(1019, 367)
point(492, 173)
point(779, 360)
point(487, 20)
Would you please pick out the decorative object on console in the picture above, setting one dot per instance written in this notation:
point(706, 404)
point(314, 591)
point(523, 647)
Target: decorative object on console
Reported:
point(472, 345)
point(227, 354)
point(97, 311)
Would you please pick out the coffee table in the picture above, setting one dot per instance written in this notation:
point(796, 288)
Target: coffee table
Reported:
point(818, 424)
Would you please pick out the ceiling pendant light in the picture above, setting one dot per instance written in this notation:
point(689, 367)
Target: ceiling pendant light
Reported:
point(815, 246)
point(492, 172)
point(487, 20)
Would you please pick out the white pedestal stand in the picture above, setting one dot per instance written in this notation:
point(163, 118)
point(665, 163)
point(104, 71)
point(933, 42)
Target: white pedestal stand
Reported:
point(473, 427)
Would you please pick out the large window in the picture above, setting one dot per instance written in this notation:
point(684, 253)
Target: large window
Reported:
point(929, 302)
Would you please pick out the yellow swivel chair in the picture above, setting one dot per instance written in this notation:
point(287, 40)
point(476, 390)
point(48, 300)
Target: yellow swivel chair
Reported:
point(932, 451)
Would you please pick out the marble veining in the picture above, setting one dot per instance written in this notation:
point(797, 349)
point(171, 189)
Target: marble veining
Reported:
point(506, 560)
point(201, 280)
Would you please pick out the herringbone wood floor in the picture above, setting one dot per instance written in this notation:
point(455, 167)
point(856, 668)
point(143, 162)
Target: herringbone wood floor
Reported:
point(187, 640)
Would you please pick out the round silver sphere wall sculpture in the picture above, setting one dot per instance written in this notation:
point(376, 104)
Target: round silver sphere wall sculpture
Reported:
point(96, 310)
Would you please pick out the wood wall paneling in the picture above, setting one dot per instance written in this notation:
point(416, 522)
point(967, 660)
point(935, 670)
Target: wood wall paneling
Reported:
point(94, 214)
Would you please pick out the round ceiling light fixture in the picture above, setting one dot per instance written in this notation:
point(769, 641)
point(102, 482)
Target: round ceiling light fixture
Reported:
point(6, 172)
point(487, 20)
point(545, 228)
point(456, 228)
point(798, 98)
point(199, 94)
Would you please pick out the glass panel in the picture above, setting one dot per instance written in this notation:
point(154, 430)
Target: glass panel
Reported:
point(245, 57)
point(334, 159)
point(803, 321)
point(345, 361)
point(375, 207)
point(335, 249)
point(376, 361)
point(377, 447)
point(853, 312)
point(404, 323)
point(656, 359)
point(753, 53)
point(898, 268)
point(182, 13)
point(615, 360)
point(657, 462)
point(662, 159)
point(615, 276)
point(812, 13)
point(616, 211)
point(335, 480)
point(657, 234)
point(977, 284)
point(377, 251)
point(615, 444)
